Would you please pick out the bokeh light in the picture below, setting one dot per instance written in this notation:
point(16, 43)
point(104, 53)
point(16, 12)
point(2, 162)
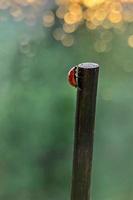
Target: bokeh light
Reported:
point(99, 14)
point(130, 41)
point(48, 19)
point(107, 15)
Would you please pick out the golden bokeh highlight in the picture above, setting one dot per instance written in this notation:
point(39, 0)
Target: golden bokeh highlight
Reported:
point(69, 28)
point(17, 13)
point(58, 34)
point(67, 40)
point(74, 14)
point(104, 15)
point(94, 11)
point(130, 41)
point(96, 14)
point(48, 19)
point(92, 3)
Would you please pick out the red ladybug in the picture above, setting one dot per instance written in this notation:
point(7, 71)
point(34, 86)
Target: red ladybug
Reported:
point(72, 76)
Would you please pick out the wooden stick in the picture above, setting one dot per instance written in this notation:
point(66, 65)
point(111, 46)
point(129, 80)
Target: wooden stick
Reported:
point(84, 130)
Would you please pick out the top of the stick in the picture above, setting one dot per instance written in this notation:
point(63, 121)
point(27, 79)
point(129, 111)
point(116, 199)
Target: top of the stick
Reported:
point(88, 65)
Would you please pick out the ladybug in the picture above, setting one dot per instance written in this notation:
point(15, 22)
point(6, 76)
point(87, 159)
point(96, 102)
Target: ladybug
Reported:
point(72, 76)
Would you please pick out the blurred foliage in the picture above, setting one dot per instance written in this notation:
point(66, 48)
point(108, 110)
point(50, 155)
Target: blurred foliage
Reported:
point(37, 109)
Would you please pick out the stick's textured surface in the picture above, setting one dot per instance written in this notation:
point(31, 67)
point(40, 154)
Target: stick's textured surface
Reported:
point(84, 130)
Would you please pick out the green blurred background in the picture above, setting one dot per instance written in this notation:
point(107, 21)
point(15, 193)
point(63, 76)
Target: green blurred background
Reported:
point(37, 108)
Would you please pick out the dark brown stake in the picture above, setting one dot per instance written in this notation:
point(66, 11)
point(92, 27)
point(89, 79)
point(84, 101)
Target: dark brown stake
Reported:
point(84, 130)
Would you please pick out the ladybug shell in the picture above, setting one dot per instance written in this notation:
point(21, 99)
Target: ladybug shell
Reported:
point(72, 77)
